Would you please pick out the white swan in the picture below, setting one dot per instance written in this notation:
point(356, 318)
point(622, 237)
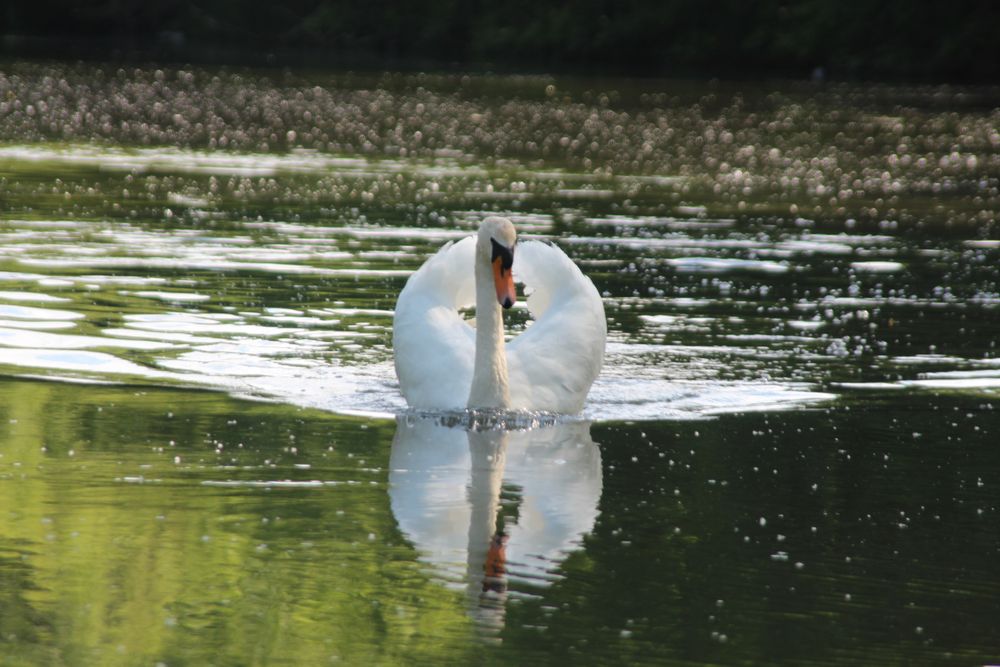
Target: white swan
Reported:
point(443, 362)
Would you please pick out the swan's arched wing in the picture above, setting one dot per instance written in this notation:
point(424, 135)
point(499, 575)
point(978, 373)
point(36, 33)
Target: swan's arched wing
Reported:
point(553, 363)
point(434, 346)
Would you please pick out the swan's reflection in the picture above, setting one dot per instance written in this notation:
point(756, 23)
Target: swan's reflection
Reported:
point(483, 506)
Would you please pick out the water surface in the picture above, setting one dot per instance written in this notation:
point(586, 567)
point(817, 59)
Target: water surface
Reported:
point(788, 458)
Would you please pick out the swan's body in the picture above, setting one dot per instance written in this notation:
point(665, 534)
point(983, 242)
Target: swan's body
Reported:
point(443, 362)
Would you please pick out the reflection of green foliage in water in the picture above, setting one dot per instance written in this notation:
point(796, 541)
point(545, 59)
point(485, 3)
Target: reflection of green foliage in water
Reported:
point(829, 537)
point(101, 569)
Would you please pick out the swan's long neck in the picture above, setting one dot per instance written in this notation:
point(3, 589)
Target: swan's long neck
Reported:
point(489, 378)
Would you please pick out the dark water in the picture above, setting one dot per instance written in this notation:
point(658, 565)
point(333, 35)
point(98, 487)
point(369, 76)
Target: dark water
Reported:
point(790, 456)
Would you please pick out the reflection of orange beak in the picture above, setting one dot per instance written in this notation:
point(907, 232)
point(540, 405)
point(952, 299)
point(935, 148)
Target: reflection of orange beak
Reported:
point(495, 567)
point(504, 281)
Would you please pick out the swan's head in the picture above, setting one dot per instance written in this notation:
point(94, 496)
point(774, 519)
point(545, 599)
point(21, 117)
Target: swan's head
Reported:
point(495, 246)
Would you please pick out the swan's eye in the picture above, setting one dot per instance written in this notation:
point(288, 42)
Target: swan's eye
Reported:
point(504, 254)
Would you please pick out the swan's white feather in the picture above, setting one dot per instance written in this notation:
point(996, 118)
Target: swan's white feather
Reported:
point(434, 346)
point(551, 365)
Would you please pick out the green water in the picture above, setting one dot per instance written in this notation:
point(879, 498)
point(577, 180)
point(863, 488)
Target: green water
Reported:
point(790, 456)
point(135, 532)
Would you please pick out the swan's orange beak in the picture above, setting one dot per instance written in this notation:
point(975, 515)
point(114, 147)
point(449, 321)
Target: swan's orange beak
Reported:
point(503, 279)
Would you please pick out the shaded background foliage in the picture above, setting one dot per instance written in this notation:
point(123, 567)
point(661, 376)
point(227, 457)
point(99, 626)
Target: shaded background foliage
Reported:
point(893, 39)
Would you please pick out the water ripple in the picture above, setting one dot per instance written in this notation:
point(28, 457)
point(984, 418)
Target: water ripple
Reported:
point(707, 314)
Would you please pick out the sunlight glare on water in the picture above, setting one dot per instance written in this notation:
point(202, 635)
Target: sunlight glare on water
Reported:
point(701, 310)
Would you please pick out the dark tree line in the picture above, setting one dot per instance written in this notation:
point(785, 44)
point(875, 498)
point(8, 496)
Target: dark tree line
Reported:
point(846, 39)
